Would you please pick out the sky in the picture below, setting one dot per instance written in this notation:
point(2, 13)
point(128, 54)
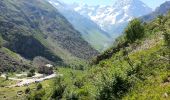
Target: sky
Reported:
point(151, 3)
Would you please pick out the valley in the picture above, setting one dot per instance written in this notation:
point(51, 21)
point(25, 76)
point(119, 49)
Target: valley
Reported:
point(53, 50)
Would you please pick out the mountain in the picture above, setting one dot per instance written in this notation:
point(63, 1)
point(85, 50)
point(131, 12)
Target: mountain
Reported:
point(137, 70)
point(34, 28)
point(90, 31)
point(161, 10)
point(113, 19)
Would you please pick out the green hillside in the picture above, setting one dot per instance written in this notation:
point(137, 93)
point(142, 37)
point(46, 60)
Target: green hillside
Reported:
point(34, 28)
point(97, 40)
point(135, 69)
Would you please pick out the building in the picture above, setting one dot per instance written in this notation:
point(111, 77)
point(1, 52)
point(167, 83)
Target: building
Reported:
point(46, 69)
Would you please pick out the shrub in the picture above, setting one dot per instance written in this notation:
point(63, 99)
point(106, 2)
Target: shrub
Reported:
point(6, 77)
point(73, 96)
point(58, 89)
point(39, 86)
point(114, 89)
point(134, 31)
point(27, 90)
point(29, 74)
point(79, 83)
point(167, 39)
point(32, 71)
point(1, 42)
point(58, 92)
point(37, 95)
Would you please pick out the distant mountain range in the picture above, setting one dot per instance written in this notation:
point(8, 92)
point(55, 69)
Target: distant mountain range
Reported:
point(113, 19)
point(101, 25)
point(89, 30)
point(161, 10)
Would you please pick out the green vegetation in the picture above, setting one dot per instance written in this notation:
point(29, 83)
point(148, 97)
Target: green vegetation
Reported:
point(137, 67)
point(134, 31)
point(97, 39)
point(31, 73)
point(0, 41)
point(133, 69)
point(39, 86)
point(4, 82)
point(30, 92)
point(27, 90)
point(12, 62)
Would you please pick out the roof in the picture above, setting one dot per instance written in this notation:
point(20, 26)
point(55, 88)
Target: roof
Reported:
point(49, 65)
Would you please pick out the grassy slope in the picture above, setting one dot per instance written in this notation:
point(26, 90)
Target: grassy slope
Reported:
point(10, 61)
point(97, 40)
point(93, 78)
point(149, 76)
point(154, 71)
point(11, 93)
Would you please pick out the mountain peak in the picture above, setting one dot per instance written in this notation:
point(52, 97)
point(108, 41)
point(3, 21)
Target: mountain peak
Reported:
point(123, 3)
point(161, 10)
point(110, 18)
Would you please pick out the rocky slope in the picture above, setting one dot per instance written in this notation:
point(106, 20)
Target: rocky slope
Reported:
point(35, 28)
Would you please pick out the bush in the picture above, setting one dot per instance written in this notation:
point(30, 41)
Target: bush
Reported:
point(39, 86)
point(0, 41)
point(134, 31)
point(58, 89)
point(27, 90)
point(73, 96)
point(32, 71)
point(58, 92)
point(37, 95)
point(79, 83)
point(6, 77)
point(114, 89)
point(29, 74)
point(167, 39)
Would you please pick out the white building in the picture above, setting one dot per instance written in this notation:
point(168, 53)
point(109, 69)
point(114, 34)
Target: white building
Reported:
point(49, 65)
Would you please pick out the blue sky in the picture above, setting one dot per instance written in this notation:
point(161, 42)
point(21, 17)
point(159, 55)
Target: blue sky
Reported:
point(151, 3)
